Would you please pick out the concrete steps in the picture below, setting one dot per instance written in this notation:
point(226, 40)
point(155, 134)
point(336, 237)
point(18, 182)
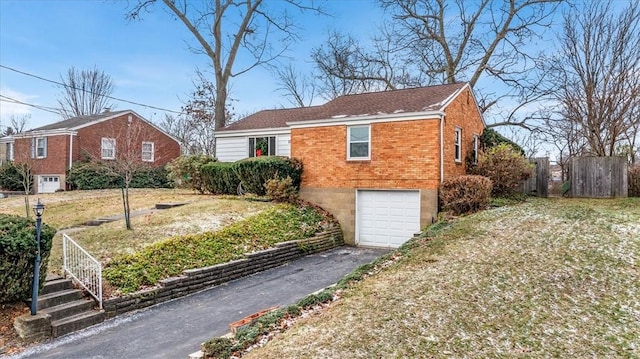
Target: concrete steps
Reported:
point(67, 306)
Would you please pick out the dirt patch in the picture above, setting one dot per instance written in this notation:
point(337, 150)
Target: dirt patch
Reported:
point(10, 342)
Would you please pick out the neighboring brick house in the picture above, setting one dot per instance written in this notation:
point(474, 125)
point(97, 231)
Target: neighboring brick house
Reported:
point(52, 149)
point(373, 160)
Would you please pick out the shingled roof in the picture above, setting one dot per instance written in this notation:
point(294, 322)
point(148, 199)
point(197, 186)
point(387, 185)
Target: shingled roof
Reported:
point(74, 122)
point(412, 100)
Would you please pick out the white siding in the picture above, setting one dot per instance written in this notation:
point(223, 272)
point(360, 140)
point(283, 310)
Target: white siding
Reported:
point(231, 149)
point(283, 147)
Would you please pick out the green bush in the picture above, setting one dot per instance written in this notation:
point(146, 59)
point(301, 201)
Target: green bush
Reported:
point(186, 171)
point(12, 176)
point(256, 171)
point(17, 255)
point(151, 177)
point(505, 167)
point(89, 175)
point(465, 194)
point(491, 138)
point(220, 178)
point(168, 258)
point(281, 190)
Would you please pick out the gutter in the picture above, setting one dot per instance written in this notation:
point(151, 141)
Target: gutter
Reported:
point(441, 148)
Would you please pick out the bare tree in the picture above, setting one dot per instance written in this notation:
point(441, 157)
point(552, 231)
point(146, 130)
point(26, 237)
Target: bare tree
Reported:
point(299, 88)
point(431, 42)
point(228, 29)
point(596, 77)
point(17, 124)
point(84, 92)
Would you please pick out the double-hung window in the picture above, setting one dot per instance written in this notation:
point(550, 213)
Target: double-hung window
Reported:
point(39, 147)
point(262, 146)
point(458, 145)
point(147, 151)
point(108, 149)
point(358, 142)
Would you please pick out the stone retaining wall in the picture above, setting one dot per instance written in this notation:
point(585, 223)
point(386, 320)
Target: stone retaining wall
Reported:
point(194, 280)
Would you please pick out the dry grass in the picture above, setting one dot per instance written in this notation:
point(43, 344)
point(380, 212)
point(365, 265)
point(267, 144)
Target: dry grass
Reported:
point(68, 209)
point(547, 278)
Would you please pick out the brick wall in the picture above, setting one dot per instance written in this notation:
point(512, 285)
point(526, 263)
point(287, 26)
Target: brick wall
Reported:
point(129, 138)
point(403, 155)
point(461, 113)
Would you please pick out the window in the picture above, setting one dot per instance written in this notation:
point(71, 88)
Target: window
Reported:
point(262, 146)
point(39, 147)
point(458, 145)
point(147, 151)
point(358, 143)
point(9, 152)
point(108, 149)
point(476, 141)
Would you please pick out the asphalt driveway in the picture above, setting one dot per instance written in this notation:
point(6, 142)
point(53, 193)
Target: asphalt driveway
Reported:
point(177, 328)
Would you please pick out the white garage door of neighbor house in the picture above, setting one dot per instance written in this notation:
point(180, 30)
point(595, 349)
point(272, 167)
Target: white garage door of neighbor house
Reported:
point(387, 218)
point(48, 184)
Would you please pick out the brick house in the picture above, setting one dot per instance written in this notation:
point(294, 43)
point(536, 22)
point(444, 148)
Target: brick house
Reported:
point(52, 149)
point(374, 160)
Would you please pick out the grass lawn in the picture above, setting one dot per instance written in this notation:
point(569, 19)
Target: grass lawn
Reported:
point(546, 278)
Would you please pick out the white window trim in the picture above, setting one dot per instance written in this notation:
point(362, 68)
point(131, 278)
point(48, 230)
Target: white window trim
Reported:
point(152, 153)
point(10, 151)
point(270, 149)
point(34, 147)
point(349, 157)
point(113, 148)
point(457, 143)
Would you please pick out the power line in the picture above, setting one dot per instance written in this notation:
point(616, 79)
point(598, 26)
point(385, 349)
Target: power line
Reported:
point(39, 107)
point(75, 88)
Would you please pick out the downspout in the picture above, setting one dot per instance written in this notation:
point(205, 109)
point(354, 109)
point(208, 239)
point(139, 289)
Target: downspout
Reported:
point(70, 150)
point(441, 148)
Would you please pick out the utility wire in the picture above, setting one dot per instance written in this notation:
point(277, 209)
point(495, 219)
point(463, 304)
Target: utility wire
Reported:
point(39, 107)
point(75, 88)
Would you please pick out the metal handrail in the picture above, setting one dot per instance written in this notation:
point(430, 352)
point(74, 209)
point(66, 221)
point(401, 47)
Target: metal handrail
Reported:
point(82, 267)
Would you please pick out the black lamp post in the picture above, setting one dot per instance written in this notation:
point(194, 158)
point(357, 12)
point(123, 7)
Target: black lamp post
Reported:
point(38, 209)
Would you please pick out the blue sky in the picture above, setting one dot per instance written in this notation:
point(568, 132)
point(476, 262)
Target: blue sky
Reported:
point(148, 61)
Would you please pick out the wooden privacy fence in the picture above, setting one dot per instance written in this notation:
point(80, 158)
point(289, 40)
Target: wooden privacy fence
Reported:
point(538, 183)
point(598, 177)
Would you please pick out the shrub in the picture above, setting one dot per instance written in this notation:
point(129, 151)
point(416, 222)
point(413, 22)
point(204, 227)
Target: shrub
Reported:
point(634, 181)
point(255, 172)
point(186, 171)
point(281, 190)
point(491, 138)
point(151, 177)
point(17, 255)
point(97, 175)
point(217, 348)
point(505, 167)
point(465, 194)
point(220, 178)
point(12, 176)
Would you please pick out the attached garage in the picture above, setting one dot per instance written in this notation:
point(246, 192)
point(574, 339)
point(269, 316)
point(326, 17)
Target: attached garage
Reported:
point(48, 184)
point(386, 218)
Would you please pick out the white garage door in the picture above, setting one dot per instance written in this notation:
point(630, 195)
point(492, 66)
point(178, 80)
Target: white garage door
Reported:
point(387, 218)
point(48, 184)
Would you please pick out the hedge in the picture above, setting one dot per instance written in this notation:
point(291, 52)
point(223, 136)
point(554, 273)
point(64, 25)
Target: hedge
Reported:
point(219, 178)
point(97, 175)
point(465, 194)
point(17, 255)
point(256, 171)
point(12, 175)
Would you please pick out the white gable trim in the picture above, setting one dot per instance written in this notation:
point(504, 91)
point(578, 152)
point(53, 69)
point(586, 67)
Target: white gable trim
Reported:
point(367, 120)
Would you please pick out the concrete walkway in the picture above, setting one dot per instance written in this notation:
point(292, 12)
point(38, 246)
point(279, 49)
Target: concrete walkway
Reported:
point(177, 328)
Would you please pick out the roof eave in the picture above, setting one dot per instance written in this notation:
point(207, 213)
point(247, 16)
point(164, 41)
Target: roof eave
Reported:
point(355, 120)
point(253, 131)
